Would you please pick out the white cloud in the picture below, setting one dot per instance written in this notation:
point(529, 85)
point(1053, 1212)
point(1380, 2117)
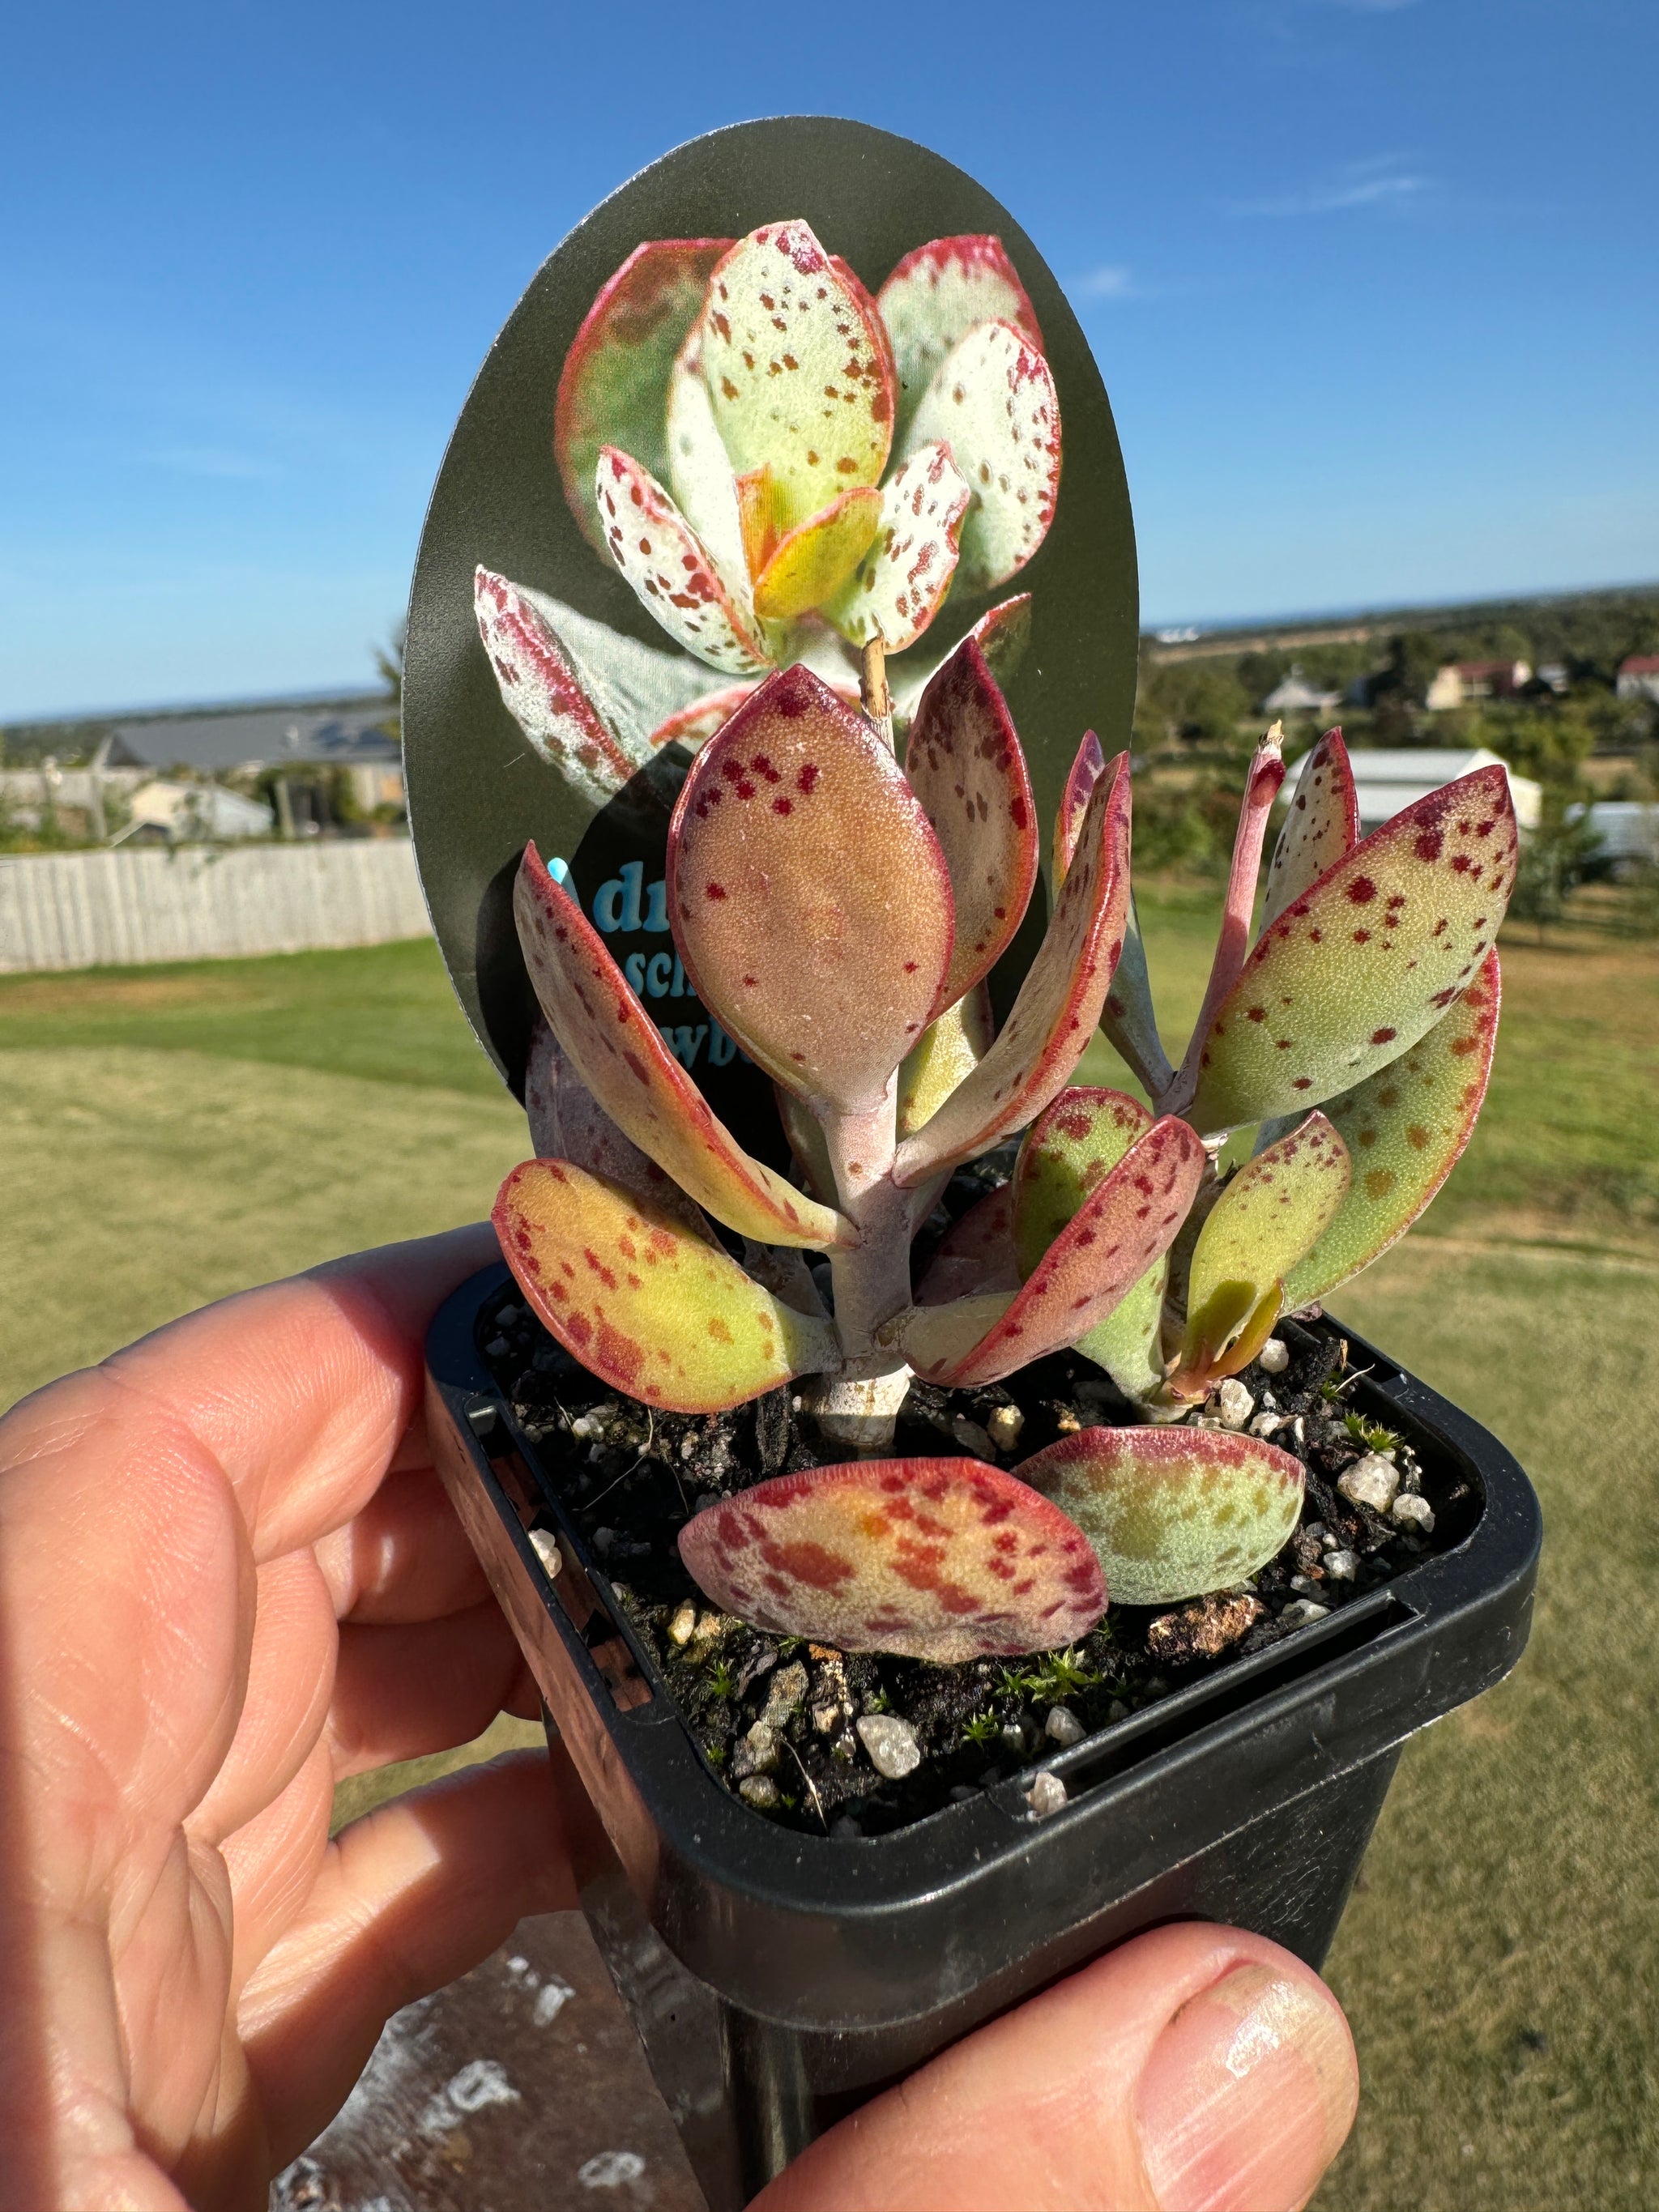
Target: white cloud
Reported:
point(1385, 180)
point(215, 461)
point(1109, 282)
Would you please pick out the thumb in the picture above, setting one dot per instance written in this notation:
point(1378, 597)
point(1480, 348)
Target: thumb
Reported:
point(1195, 2070)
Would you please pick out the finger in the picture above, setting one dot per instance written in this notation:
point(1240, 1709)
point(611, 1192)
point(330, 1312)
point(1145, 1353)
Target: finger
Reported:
point(405, 1900)
point(290, 1679)
point(405, 1557)
point(1196, 2069)
point(272, 1862)
point(403, 1693)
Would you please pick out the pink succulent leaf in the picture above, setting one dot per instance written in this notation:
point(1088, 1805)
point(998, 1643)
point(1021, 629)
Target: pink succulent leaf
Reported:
point(1002, 635)
point(900, 584)
point(620, 1054)
point(1058, 1003)
point(1357, 969)
point(1071, 1146)
point(699, 474)
point(1085, 773)
point(1172, 1512)
point(567, 1122)
point(588, 698)
point(1405, 1127)
point(691, 726)
point(946, 1053)
point(798, 369)
point(1272, 1212)
point(1321, 828)
point(650, 1309)
point(992, 401)
point(1128, 1220)
point(965, 765)
point(1129, 1019)
point(936, 295)
point(975, 1256)
point(807, 893)
point(672, 571)
point(614, 386)
point(812, 562)
point(942, 1560)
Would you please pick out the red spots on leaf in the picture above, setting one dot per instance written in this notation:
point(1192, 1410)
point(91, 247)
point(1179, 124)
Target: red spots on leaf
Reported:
point(783, 806)
point(714, 891)
point(1362, 890)
point(1302, 1082)
point(807, 779)
point(1362, 937)
point(1383, 1036)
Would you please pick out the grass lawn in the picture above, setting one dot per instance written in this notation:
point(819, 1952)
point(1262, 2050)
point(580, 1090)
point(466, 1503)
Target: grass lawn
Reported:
point(172, 1134)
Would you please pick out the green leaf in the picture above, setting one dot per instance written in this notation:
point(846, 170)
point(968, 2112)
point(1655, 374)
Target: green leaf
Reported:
point(1128, 1020)
point(964, 763)
point(1321, 828)
point(992, 401)
point(1406, 1128)
point(810, 563)
point(947, 1053)
point(936, 295)
point(700, 473)
point(648, 1307)
point(1172, 1513)
point(613, 390)
point(1129, 1343)
point(1362, 965)
point(807, 894)
point(672, 572)
point(799, 373)
point(898, 586)
point(941, 1559)
point(1058, 1003)
point(620, 1055)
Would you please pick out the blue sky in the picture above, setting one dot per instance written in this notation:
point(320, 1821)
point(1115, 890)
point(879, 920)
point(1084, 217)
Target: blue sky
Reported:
point(1372, 283)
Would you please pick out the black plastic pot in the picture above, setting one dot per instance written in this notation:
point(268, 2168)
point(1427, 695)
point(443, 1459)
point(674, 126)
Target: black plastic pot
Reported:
point(777, 1979)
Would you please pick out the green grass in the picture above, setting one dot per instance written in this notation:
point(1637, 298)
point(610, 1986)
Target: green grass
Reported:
point(171, 1134)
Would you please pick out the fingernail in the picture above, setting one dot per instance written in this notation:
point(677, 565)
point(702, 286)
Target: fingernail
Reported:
point(1247, 2096)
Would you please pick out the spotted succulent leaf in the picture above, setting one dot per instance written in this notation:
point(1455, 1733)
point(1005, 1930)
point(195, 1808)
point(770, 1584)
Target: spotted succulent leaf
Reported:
point(567, 1122)
point(899, 584)
point(613, 390)
point(1058, 1003)
point(808, 894)
point(798, 369)
point(965, 765)
point(946, 1053)
point(1406, 1128)
point(620, 1055)
point(992, 401)
point(1086, 771)
point(646, 1306)
point(1073, 1144)
point(936, 295)
point(1355, 971)
point(1002, 634)
point(1321, 828)
point(691, 726)
point(1128, 1220)
point(673, 571)
point(810, 563)
point(1172, 1513)
point(942, 1560)
point(699, 470)
point(975, 1256)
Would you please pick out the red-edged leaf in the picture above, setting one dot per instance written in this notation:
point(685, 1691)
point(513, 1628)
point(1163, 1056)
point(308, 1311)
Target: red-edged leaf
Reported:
point(1406, 1128)
point(943, 1559)
point(1058, 1003)
point(807, 893)
point(567, 1122)
point(975, 1256)
point(620, 1054)
point(1362, 965)
point(799, 375)
point(898, 586)
point(936, 295)
point(647, 1307)
point(1172, 1513)
point(992, 401)
point(1131, 1218)
point(613, 390)
point(692, 725)
point(699, 471)
point(1086, 771)
point(673, 571)
point(965, 765)
point(811, 561)
point(1002, 635)
point(542, 695)
point(1322, 828)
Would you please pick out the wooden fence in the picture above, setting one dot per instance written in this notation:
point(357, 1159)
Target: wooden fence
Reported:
point(122, 909)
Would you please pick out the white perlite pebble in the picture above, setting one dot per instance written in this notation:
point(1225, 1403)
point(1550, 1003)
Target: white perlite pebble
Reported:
point(1372, 1481)
point(1414, 1512)
point(1046, 1795)
point(1302, 1613)
point(1004, 1426)
point(545, 1545)
point(1234, 1402)
point(683, 1626)
point(1264, 1424)
point(1275, 1355)
point(1342, 1567)
point(1065, 1726)
point(891, 1744)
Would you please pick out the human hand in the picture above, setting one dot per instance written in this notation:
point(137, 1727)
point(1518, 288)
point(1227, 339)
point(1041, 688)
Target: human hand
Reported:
point(228, 1578)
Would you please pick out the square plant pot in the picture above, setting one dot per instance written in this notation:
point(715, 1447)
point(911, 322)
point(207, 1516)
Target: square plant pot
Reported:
point(777, 1978)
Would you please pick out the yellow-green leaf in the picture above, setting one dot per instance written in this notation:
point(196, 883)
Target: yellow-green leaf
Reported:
point(949, 1051)
point(1320, 828)
point(898, 586)
point(812, 562)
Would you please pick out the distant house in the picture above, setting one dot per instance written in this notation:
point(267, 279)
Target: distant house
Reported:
point(1384, 781)
point(1296, 695)
point(1460, 682)
point(1638, 677)
point(1626, 834)
point(351, 736)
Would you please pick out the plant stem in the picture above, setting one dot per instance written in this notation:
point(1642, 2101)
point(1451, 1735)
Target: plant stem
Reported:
point(871, 1281)
point(873, 695)
point(1260, 789)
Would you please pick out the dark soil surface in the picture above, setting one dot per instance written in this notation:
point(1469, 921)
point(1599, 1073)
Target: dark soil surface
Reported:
point(628, 1477)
